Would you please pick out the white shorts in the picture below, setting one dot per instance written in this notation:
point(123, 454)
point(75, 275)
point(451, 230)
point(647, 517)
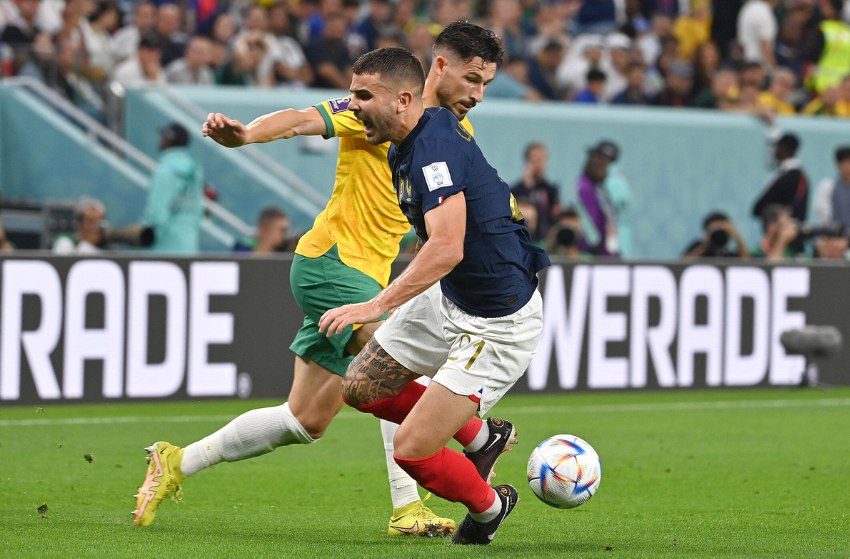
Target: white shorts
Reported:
point(470, 355)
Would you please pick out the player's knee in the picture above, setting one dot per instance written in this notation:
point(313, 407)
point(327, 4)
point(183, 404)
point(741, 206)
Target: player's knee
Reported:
point(314, 424)
point(315, 429)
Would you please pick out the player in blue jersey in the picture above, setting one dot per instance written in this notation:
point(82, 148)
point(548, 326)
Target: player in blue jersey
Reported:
point(467, 310)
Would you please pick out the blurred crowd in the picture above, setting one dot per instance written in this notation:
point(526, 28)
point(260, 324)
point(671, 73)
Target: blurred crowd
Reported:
point(764, 57)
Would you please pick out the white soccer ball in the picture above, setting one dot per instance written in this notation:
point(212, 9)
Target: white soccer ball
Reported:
point(564, 471)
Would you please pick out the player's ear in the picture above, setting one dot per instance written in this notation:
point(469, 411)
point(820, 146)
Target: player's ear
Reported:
point(439, 64)
point(405, 99)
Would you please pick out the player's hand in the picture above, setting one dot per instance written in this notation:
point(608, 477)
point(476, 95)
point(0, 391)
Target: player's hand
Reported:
point(336, 320)
point(226, 131)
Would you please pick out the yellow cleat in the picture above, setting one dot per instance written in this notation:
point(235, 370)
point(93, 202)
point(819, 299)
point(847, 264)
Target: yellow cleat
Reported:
point(416, 519)
point(163, 478)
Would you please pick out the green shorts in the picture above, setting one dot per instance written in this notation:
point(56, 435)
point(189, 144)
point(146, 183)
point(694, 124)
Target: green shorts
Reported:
point(318, 285)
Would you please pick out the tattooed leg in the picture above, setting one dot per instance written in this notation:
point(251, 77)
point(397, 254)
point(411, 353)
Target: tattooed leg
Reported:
point(374, 376)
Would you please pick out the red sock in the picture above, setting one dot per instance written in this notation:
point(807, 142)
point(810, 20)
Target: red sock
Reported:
point(396, 408)
point(468, 432)
point(450, 475)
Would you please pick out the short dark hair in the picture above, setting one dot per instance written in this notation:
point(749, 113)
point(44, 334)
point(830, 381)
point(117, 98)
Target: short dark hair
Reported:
point(531, 147)
point(468, 41)
point(842, 153)
point(788, 142)
point(269, 213)
point(393, 63)
point(569, 212)
point(714, 217)
point(596, 75)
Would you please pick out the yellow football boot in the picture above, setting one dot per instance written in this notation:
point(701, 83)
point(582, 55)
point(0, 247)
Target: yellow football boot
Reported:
point(163, 478)
point(416, 519)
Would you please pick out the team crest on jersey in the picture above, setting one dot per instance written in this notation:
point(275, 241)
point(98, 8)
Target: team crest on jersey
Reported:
point(339, 105)
point(437, 175)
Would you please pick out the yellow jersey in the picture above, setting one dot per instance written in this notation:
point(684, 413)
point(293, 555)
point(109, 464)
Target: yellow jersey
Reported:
point(362, 217)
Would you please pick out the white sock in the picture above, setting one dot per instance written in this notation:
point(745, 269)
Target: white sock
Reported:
point(490, 513)
point(403, 490)
point(251, 434)
point(480, 439)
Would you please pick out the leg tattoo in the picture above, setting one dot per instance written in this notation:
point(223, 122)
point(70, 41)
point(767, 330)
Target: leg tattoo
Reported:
point(374, 375)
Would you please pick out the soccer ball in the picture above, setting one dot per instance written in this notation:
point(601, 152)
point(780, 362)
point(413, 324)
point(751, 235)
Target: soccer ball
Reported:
point(564, 471)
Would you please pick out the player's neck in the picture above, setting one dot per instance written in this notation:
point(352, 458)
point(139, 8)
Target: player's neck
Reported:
point(407, 122)
point(429, 93)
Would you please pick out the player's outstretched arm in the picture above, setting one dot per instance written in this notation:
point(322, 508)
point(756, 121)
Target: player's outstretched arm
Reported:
point(267, 128)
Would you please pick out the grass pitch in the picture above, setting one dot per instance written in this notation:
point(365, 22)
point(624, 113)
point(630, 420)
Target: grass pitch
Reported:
point(757, 473)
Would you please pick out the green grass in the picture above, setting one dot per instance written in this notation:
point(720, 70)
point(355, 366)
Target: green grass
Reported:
point(686, 474)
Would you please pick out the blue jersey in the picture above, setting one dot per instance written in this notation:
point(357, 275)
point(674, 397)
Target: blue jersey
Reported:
point(498, 273)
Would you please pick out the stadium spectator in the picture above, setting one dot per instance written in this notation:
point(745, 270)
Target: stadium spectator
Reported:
point(74, 19)
point(143, 69)
point(795, 32)
point(542, 71)
point(829, 50)
point(193, 68)
point(377, 23)
point(723, 93)
point(650, 43)
point(826, 104)
point(757, 30)
point(565, 237)
point(752, 73)
point(679, 84)
point(598, 218)
point(291, 67)
point(832, 197)
point(505, 20)
point(87, 238)
point(329, 56)
point(593, 92)
point(720, 238)
point(97, 37)
point(597, 16)
point(71, 80)
point(788, 186)
point(125, 41)
point(175, 198)
point(272, 233)
point(634, 93)
point(706, 62)
point(20, 32)
point(724, 24)
point(420, 41)
point(833, 246)
point(255, 27)
point(169, 27)
point(780, 231)
point(245, 66)
point(777, 97)
point(537, 190)
point(584, 53)
point(693, 29)
point(615, 62)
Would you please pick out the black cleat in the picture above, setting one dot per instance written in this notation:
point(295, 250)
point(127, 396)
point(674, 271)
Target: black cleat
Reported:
point(502, 438)
point(472, 532)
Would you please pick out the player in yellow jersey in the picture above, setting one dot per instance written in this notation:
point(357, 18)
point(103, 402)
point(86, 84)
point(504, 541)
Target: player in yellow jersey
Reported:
point(345, 258)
